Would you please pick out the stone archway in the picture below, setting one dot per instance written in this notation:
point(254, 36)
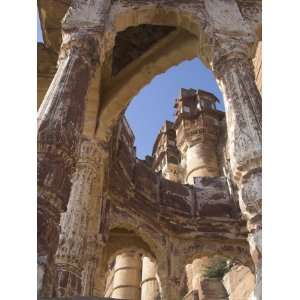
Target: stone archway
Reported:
point(188, 22)
point(121, 90)
point(225, 41)
point(126, 252)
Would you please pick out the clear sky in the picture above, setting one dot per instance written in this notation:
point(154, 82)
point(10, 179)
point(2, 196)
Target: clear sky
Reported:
point(39, 31)
point(154, 103)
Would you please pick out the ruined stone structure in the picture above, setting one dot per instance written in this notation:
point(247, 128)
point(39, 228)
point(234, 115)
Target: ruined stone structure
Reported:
point(111, 225)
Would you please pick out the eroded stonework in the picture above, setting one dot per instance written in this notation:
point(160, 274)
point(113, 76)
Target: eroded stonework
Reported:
point(112, 225)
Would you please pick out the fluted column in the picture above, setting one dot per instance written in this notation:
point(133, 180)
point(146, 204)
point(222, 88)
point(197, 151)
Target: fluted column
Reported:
point(235, 76)
point(89, 269)
point(60, 123)
point(73, 241)
point(127, 277)
point(97, 228)
point(149, 285)
point(93, 255)
point(242, 101)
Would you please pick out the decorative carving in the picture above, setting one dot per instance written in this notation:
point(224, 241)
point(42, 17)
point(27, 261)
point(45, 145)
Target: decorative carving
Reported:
point(176, 222)
point(243, 111)
point(86, 14)
point(59, 132)
point(251, 11)
point(88, 274)
point(72, 243)
point(234, 70)
point(82, 43)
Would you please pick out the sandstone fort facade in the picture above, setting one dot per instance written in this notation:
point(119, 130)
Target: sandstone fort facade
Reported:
point(185, 223)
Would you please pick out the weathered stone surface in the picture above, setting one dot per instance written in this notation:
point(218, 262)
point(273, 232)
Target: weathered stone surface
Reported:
point(74, 223)
point(46, 68)
point(60, 124)
point(111, 49)
point(257, 61)
point(51, 12)
point(133, 42)
point(239, 283)
point(211, 289)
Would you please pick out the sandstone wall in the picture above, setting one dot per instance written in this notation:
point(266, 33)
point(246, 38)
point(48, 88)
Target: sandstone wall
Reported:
point(239, 283)
point(257, 61)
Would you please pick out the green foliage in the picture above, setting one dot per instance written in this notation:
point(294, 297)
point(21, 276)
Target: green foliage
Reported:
point(218, 270)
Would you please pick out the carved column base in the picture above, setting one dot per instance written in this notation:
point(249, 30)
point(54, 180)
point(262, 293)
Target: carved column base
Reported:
point(68, 280)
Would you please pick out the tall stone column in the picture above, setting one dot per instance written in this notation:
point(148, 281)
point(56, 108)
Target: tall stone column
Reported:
point(235, 76)
point(59, 127)
point(127, 276)
point(149, 285)
point(73, 239)
point(97, 230)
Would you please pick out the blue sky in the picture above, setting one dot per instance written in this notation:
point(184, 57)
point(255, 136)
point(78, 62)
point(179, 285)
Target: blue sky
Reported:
point(154, 103)
point(39, 31)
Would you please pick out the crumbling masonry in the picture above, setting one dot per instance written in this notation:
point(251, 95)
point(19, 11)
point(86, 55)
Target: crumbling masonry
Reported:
point(111, 225)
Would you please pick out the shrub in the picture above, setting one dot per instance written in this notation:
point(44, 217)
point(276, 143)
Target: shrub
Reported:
point(218, 270)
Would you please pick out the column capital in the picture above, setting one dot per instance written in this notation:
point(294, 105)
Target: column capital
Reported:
point(228, 50)
point(92, 151)
point(84, 43)
point(90, 159)
point(86, 14)
point(232, 65)
point(227, 32)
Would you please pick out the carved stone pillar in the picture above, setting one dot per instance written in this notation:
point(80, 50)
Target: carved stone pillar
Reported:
point(149, 285)
point(235, 76)
point(127, 277)
point(94, 242)
point(97, 231)
point(59, 127)
point(243, 112)
point(90, 266)
point(72, 242)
